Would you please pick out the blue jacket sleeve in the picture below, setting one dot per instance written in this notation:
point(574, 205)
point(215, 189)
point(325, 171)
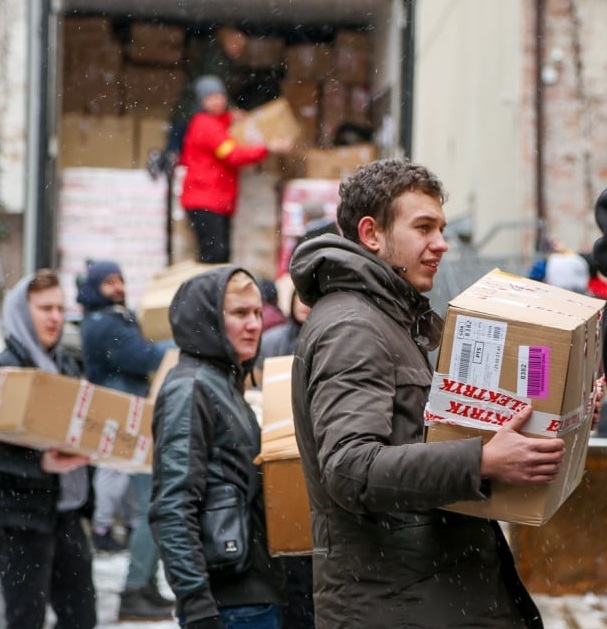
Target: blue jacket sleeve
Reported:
point(111, 339)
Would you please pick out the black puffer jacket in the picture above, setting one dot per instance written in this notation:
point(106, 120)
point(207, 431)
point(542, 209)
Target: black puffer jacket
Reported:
point(205, 433)
point(600, 254)
point(28, 495)
point(384, 555)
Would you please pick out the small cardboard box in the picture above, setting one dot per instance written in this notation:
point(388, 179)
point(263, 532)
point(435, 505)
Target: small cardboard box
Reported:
point(336, 163)
point(274, 119)
point(44, 410)
point(285, 496)
point(507, 341)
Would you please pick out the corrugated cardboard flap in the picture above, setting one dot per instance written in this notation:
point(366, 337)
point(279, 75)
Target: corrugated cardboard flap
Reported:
point(512, 297)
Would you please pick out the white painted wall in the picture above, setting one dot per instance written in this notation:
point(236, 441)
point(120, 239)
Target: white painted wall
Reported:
point(13, 90)
point(467, 113)
point(388, 25)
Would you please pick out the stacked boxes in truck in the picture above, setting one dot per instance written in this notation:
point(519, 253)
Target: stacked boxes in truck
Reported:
point(122, 75)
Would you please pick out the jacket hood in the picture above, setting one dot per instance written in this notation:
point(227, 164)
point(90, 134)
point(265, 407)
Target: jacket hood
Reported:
point(332, 263)
point(20, 331)
point(196, 318)
point(600, 246)
point(89, 294)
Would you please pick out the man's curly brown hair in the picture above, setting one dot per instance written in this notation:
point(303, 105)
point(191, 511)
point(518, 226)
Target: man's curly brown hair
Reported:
point(373, 188)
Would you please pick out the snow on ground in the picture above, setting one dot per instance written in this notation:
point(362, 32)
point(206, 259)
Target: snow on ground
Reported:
point(110, 574)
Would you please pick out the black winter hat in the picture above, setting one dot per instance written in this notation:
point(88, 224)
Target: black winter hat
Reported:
point(599, 251)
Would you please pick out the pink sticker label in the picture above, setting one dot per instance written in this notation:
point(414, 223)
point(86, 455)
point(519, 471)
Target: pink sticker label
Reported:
point(533, 371)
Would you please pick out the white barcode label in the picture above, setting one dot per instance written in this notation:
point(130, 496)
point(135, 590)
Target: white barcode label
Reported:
point(478, 350)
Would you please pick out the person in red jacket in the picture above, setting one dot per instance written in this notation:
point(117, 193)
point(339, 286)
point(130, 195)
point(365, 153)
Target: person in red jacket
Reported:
point(212, 158)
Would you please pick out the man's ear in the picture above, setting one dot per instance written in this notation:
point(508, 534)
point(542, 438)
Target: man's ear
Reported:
point(368, 233)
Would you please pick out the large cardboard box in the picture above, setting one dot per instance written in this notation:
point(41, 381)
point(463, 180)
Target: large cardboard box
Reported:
point(303, 97)
point(352, 56)
point(334, 105)
point(156, 43)
point(97, 141)
point(305, 62)
point(285, 496)
point(151, 90)
point(507, 341)
point(274, 119)
point(153, 310)
point(335, 163)
point(44, 410)
point(263, 52)
point(150, 134)
point(91, 77)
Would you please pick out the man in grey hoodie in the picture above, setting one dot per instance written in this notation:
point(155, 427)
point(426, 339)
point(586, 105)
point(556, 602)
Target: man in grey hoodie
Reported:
point(45, 556)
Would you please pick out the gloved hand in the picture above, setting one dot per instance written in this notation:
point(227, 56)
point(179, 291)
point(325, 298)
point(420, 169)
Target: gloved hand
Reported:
point(214, 622)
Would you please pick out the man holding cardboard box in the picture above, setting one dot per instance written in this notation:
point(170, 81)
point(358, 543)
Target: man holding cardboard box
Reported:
point(116, 355)
point(45, 556)
point(384, 554)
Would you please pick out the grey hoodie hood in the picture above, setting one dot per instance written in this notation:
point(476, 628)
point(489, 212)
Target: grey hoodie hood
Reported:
point(19, 328)
point(332, 263)
point(196, 318)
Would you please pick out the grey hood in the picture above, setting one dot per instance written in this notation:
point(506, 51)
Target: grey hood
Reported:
point(19, 329)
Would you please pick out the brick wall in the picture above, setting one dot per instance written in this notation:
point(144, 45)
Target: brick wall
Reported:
point(575, 125)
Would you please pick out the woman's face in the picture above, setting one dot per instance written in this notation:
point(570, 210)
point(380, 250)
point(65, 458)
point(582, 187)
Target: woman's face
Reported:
point(242, 320)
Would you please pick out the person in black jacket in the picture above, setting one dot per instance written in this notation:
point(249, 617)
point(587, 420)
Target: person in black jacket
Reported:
point(205, 440)
point(599, 254)
point(45, 555)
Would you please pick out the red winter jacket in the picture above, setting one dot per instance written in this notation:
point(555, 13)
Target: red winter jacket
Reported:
point(212, 159)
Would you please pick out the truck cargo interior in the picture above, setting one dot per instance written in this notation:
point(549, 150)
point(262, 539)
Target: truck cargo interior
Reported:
point(121, 69)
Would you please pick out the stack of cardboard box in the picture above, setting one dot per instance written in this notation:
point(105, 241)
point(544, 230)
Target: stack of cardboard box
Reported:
point(117, 96)
point(285, 496)
point(152, 76)
point(92, 67)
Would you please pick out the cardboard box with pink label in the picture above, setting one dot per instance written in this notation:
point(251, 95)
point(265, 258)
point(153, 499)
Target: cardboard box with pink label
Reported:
point(508, 341)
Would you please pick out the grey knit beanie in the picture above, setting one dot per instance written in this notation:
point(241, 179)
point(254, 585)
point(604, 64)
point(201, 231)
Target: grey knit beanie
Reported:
point(207, 85)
